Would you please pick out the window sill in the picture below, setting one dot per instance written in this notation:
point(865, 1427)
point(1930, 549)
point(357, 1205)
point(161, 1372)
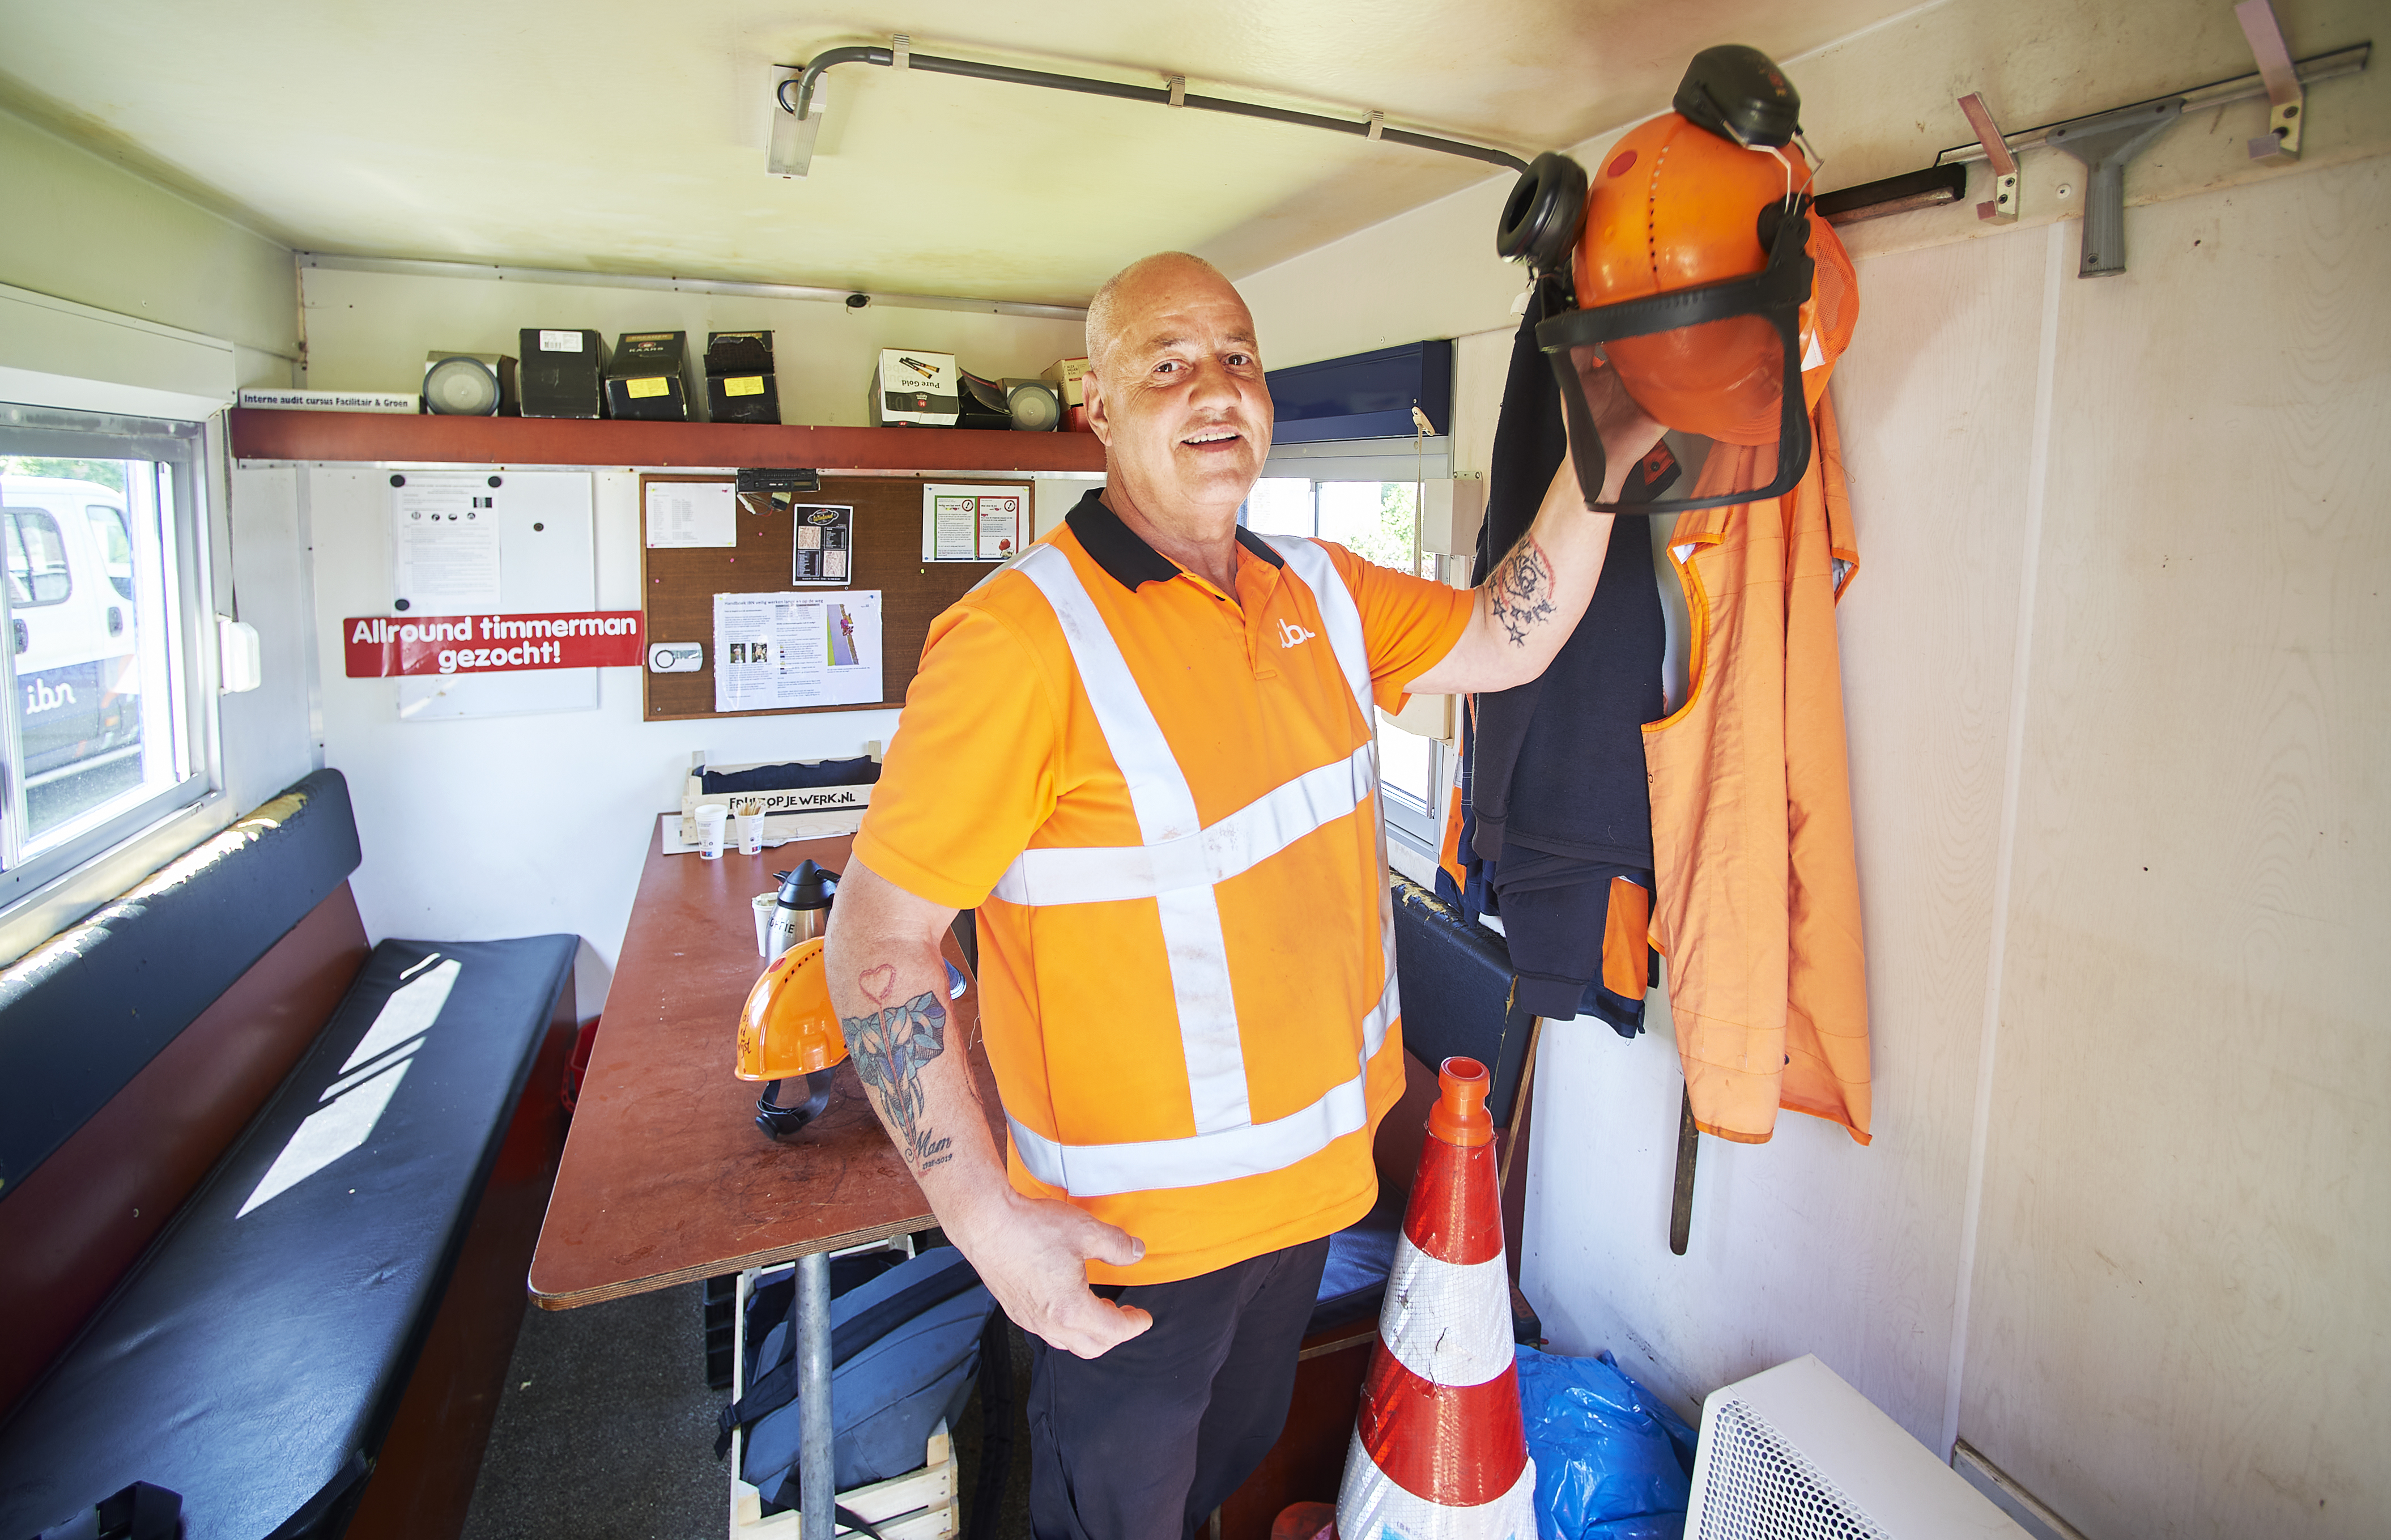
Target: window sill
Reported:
point(73, 895)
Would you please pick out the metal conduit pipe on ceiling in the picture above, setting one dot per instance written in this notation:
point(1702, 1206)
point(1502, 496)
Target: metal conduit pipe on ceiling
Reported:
point(1159, 96)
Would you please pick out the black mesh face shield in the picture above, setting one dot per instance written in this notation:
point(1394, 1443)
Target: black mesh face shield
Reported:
point(1723, 360)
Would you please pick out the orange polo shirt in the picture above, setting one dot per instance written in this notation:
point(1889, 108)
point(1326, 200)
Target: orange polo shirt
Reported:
point(999, 751)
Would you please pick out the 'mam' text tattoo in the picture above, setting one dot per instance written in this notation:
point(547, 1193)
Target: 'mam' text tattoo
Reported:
point(890, 1045)
point(1522, 591)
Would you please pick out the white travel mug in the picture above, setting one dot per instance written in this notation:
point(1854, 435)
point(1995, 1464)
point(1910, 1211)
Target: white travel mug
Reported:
point(764, 904)
point(709, 831)
point(751, 830)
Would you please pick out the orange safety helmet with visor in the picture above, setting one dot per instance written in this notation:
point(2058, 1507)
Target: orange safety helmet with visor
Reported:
point(1692, 268)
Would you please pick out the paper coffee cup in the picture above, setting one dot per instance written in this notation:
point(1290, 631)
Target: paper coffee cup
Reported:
point(751, 832)
point(764, 904)
point(710, 820)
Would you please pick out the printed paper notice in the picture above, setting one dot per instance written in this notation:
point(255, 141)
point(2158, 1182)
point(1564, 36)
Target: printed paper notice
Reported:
point(446, 535)
point(1001, 526)
point(777, 651)
point(683, 513)
point(974, 522)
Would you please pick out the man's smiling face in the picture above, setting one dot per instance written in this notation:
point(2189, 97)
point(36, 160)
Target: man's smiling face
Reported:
point(1179, 399)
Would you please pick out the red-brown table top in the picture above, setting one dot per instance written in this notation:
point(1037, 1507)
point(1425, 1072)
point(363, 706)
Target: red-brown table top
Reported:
point(666, 1177)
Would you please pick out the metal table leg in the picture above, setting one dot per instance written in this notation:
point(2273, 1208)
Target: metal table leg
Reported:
point(816, 1471)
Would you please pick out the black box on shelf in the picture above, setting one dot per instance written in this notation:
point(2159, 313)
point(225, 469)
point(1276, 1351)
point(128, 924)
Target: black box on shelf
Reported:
point(563, 373)
point(738, 382)
point(651, 381)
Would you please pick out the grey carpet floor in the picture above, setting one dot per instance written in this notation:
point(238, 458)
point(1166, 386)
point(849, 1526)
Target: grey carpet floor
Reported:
point(606, 1431)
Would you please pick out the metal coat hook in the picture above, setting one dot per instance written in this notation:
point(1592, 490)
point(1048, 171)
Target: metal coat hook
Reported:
point(2003, 206)
point(2286, 101)
point(2104, 144)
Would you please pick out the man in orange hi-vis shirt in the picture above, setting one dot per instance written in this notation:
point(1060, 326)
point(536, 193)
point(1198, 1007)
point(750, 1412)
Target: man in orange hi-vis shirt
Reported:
point(1145, 752)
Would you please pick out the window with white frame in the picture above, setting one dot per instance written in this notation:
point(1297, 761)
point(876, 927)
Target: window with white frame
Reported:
point(104, 612)
point(1365, 497)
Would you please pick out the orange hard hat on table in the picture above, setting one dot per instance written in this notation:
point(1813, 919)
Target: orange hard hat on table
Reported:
point(789, 1028)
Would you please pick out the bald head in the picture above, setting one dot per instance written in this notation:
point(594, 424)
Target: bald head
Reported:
point(1136, 287)
point(1176, 391)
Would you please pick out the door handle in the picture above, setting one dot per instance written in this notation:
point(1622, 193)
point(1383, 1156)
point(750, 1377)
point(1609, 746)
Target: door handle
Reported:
point(115, 621)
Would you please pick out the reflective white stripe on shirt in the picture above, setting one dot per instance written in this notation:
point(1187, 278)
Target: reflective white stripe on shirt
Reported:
point(1177, 866)
point(1152, 1165)
point(1166, 812)
point(1337, 612)
point(1092, 873)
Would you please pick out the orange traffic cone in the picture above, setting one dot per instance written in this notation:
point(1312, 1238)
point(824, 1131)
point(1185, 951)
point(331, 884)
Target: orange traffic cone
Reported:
point(1439, 1453)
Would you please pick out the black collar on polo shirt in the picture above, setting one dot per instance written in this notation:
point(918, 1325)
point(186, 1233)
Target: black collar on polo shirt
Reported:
point(1122, 553)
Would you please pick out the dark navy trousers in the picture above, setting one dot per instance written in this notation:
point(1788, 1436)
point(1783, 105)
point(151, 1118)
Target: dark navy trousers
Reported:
point(1145, 1441)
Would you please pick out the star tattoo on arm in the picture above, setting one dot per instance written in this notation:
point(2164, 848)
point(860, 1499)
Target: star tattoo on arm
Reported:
point(890, 1045)
point(1521, 591)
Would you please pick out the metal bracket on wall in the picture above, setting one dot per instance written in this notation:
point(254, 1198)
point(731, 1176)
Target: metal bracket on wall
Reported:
point(2104, 144)
point(796, 92)
point(2002, 208)
point(2286, 101)
point(1921, 188)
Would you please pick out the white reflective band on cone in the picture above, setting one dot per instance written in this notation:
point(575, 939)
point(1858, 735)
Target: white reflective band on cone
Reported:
point(1372, 1505)
point(1449, 1323)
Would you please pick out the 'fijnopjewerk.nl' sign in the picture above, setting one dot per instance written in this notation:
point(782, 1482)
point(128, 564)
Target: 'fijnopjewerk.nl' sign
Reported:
point(381, 646)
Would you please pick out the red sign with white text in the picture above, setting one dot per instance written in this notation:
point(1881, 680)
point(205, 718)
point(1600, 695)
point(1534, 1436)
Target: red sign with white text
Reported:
point(381, 645)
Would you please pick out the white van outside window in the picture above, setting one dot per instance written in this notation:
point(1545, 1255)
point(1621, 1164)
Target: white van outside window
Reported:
point(103, 617)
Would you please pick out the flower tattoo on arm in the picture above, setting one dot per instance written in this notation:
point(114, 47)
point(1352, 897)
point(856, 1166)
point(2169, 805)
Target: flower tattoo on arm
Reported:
point(1521, 591)
point(890, 1045)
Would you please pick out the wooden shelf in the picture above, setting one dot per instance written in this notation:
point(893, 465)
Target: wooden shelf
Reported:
point(392, 437)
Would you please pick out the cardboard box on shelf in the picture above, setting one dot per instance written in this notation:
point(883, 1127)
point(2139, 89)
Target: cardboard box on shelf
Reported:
point(1064, 375)
point(562, 372)
point(650, 380)
point(910, 386)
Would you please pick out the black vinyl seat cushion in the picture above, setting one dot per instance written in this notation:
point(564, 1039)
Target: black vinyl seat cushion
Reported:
point(255, 1357)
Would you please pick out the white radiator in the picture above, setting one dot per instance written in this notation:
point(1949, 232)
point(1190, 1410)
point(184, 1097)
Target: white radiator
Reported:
point(1795, 1453)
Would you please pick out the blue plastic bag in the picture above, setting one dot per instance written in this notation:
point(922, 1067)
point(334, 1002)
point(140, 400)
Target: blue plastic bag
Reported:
point(1612, 1462)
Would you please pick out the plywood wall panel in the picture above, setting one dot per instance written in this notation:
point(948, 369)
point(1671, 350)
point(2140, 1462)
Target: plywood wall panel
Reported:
point(1811, 1243)
point(2177, 1327)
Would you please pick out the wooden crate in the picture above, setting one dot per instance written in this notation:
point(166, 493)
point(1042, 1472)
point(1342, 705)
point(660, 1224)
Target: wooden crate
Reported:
point(917, 1505)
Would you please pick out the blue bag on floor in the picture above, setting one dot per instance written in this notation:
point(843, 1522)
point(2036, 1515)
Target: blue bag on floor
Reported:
point(904, 1352)
point(1612, 1462)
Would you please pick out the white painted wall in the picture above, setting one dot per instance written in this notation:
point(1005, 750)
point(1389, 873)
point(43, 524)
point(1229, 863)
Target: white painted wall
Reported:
point(2119, 605)
point(82, 227)
point(487, 827)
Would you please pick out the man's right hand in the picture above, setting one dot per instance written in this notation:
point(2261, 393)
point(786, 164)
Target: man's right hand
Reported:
point(1032, 1253)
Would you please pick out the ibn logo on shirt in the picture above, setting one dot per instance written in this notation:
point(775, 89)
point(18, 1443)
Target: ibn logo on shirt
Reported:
point(1292, 635)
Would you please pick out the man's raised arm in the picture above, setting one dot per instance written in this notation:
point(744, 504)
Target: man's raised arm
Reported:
point(1532, 601)
point(889, 985)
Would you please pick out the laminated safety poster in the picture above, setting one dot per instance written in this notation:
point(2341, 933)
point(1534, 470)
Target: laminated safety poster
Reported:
point(773, 652)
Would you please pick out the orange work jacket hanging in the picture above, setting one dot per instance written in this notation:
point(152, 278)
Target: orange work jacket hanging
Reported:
point(1757, 908)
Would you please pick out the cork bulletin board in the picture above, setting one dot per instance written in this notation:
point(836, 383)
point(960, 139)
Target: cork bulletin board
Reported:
point(677, 584)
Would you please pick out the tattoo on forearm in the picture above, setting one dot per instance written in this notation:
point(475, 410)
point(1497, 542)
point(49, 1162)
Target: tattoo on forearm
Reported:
point(1521, 591)
point(890, 1045)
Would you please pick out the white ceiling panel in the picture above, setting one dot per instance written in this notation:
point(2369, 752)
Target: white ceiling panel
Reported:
point(630, 138)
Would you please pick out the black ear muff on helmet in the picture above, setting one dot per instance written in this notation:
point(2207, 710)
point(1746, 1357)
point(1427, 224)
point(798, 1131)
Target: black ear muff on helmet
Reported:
point(1739, 95)
point(1540, 219)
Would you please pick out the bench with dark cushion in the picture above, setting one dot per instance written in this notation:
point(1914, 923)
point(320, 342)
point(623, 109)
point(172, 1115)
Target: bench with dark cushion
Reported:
point(340, 1287)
